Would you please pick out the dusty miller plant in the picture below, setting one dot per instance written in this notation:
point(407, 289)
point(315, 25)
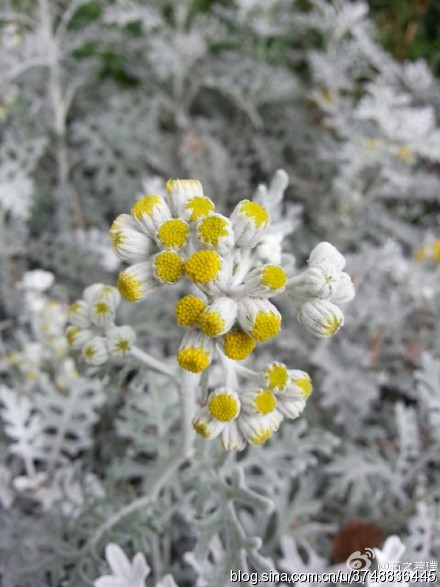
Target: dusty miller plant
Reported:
point(145, 434)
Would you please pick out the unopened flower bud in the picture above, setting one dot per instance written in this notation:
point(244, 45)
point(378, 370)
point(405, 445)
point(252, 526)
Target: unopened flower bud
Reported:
point(343, 290)
point(128, 241)
point(79, 314)
point(151, 212)
point(120, 340)
point(137, 282)
point(95, 352)
point(249, 221)
point(326, 255)
point(312, 283)
point(321, 317)
point(181, 192)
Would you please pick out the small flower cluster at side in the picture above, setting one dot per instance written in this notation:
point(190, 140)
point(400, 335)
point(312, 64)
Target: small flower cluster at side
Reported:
point(45, 357)
point(255, 413)
point(321, 289)
point(92, 325)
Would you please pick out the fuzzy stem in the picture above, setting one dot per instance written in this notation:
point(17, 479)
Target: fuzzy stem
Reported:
point(69, 199)
point(153, 363)
point(229, 367)
point(187, 389)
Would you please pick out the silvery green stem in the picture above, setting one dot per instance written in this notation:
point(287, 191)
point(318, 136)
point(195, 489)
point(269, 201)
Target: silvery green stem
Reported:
point(69, 200)
point(187, 389)
point(152, 362)
point(229, 367)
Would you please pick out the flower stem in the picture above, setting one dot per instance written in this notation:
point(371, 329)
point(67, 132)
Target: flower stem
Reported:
point(187, 388)
point(152, 362)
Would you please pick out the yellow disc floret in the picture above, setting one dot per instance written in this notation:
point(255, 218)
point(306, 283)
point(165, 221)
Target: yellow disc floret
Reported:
point(276, 376)
point(238, 345)
point(194, 359)
point(129, 287)
point(102, 309)
point(211, 323)
point(117, 238)
point(145, 206)
point(188, 310)
point(74, 309)
point(201, 428)
point(199, 207)
point(173, 233)
point(273, 277)
point(169, 267)
point(305, 384)
point(256, 212)
point(212, 229)
point(89, 353)
point(262, 436)
point(71, 334)
point(266, 326)
point(332, 325)
point(223, 407)
point(123, 346)
point(265, 402)
point(203, 266)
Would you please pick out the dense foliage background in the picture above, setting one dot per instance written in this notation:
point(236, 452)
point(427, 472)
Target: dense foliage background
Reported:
point(103, 101)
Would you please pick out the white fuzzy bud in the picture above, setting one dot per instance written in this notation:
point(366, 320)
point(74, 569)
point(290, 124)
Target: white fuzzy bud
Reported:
point(181, 191)
point(232, 438)
point(327, 256)
point(120, 340)
point(249, 221)
point(101, 292)
point(343, 291)
point(205, 425)
point(129, 242)
point(79, 314)
point(300, 382)
point(321, 317)
point(102, 314)
point(78, 337)
point(290, 404)
point(137, 282)
point(95, 352)
point(258, 429)
point(312, 283)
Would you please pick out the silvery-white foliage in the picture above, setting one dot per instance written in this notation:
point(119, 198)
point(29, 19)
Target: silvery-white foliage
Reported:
point(428, 387)
point(102, 103)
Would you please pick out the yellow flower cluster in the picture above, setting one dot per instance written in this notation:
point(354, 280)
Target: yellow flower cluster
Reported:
point(165, 239)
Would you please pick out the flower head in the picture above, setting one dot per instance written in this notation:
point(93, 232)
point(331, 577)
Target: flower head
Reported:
point(195, 352)
point(259, 318)
point(227, 312)
point(249, 221)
